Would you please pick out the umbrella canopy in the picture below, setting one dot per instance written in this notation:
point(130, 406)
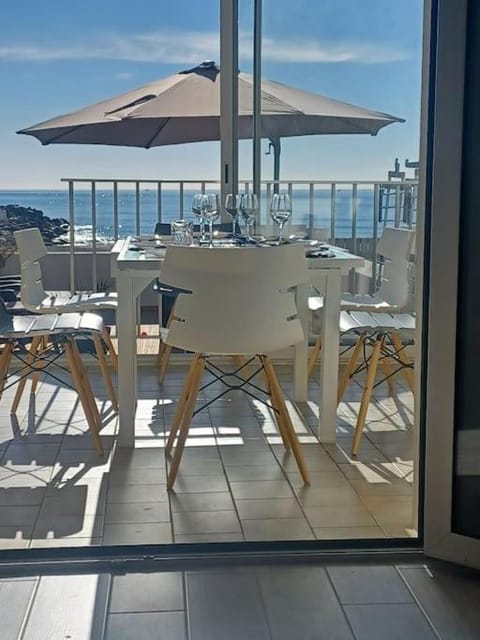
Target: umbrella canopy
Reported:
point(185, 108)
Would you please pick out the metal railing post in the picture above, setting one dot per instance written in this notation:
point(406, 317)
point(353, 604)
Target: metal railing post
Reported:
point(71, 220)
point(94, 235)
point(115, 211)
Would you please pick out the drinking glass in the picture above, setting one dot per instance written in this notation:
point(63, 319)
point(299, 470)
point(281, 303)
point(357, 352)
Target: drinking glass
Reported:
point(211, 212)
point(182, 232)
point(232, 207)
point(248, 209)
point(198, 213)
point(280, 211)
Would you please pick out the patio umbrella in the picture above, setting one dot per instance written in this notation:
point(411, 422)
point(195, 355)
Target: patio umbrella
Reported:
point(185, 107)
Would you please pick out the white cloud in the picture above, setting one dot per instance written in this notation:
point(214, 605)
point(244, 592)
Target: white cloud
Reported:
point(124, 75)
point(190, 48)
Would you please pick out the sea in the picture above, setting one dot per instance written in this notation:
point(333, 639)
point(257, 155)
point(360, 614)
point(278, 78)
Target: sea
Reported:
point(54, 204)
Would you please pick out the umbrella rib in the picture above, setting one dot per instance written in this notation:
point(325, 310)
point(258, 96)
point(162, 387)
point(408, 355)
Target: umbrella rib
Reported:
point(152, 138)
point(60, 135)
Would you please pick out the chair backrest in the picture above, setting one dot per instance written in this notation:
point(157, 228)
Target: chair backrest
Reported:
point(396, 247)
point(31, 249)
point(30, 244)
point(241, 299)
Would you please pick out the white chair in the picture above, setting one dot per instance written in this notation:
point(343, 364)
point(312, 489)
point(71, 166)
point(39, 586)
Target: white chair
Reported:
point(31, 250)
point(37, 342)
point(381, 339)
point(395, 248)
point(241, 303)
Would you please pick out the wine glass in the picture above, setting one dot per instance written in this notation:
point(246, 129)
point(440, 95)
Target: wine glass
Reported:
point(198, 212)
point(280, 211)
point(211, 211)
point(232, 207)
point(248, 209)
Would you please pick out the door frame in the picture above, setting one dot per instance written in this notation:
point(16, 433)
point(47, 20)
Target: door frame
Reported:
point(443, 201)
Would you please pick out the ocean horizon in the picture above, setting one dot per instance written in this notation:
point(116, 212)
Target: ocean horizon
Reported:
point(54, 204)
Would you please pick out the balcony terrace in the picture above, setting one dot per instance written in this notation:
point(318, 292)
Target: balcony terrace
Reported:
point(235, 482)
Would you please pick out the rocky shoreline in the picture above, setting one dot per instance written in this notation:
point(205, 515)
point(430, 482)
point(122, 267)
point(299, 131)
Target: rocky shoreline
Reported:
point(14, 217)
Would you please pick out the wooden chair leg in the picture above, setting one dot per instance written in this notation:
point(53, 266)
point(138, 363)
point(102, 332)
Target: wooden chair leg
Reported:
point(111, 349)
point(186, 419)
point(279, 418)
point(32, 353)
point(85, 384)
point(350, 367)
point(177, 420)
point(164, 350)
point(77, 374)
point(400, 352)
point(5, 359)
point(367, 393)
point(164, 360)
point(102, 363)
point(290, 431)
point(314, 355)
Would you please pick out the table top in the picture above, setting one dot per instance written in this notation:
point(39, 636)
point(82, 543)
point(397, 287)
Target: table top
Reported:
point(143, 254)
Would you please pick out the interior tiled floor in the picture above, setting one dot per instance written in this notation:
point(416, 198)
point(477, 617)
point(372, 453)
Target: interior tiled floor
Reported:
point(432, 601)
point(235, 481)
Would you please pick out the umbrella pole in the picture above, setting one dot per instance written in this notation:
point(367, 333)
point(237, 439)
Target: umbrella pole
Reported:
point(275, 142)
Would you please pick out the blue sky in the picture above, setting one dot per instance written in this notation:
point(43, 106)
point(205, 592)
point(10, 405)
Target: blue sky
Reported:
point(56, 57)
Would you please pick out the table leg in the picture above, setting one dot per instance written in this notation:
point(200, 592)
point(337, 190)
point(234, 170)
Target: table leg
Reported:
point(300, 365)
point(330, 354)
point(127, 360)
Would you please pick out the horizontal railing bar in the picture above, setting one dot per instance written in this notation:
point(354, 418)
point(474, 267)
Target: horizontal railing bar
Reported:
point(265, 182)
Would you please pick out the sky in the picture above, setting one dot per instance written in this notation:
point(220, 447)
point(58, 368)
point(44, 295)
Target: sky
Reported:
point(56, 57)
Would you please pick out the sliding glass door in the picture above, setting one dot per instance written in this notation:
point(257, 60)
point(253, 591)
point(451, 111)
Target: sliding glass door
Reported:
point(452, 496)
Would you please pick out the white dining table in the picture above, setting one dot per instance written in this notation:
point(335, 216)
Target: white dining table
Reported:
point(134, 270)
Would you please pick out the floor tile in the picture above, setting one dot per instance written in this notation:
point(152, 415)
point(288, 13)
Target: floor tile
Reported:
point(137, 592)
point(166, 625)
point(14, 602)
point(345, 516)
point(348, 533)
point(277, 529)
point(392, 621)
point(261, 489)
point(200, 484)
point(449, 596)
point(268, 508)
point(201, 502)
point(300, 602)
point(145, 533)
point(213, 607)
point(137, 493)
point(198, 538)
point(206, 522)
point(130, 513)
point(75, 604)
point(369, 585)
point(68, 526)
point(244, 473)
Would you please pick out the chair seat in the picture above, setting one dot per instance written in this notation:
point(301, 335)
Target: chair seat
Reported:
point(363, 320)
point(355, 302)
point(64, 301)
point(50, 324)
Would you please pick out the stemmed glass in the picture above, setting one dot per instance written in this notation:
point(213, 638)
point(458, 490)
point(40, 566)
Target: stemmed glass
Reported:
point(248, 209)
point(280, 211)
point(197, 211)
point(211, 212)
point(232, 207)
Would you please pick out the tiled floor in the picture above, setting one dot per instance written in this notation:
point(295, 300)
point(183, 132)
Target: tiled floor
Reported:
point(235, 481)
point(338, 602)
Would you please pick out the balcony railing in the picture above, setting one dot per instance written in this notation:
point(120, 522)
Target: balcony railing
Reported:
point(347, 213)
